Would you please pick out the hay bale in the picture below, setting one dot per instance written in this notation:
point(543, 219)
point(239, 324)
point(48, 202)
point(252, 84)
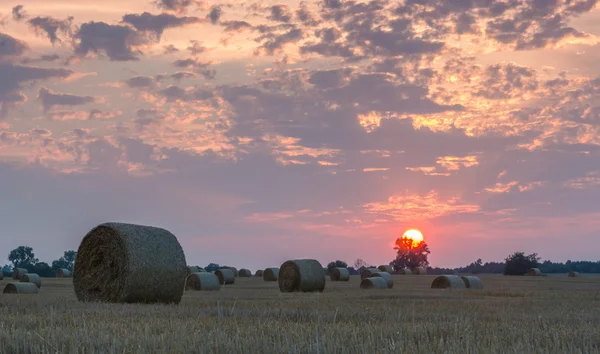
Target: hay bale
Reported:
point(534, 272)
point(259, 273)
point(1, 275)
point(373, 283)
point(17, 272)
point(202, 281)
point(386, 276)
point(21, 288)
point(31, 278)
point(192, 269)
point(448, 282)
point(472, 282)
point(63, 273)
point(233, 269)
point(200, 270)
point(386, 268)
point(304, 275)
point(573, 274)
point(339, 274)
point(244, 273)
point(271, 274)
point(366, 273)
point(405, 271)
point(127, 263)
point(419, 271)
point(225, 276)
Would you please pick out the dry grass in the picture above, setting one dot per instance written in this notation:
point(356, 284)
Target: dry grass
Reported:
point(511, 315)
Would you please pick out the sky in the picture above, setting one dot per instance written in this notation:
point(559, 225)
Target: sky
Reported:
point(258, 132)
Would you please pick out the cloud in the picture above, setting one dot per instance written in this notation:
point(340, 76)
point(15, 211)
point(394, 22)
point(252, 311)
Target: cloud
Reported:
point(215, 14)
point(156, 24)
point(118, 42)
point(51, 27)
point(10, 47)
point(50, 99)
point(179, 6)
point(18, 14)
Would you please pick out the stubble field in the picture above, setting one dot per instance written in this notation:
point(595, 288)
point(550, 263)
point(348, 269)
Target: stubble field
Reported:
point(510, 315)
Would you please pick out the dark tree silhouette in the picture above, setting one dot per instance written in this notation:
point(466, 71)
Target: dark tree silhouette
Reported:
point(66, 261)
point(22, 257)
point(518, 263)
point(337, 263)
point(410, 255)
point(211, 267)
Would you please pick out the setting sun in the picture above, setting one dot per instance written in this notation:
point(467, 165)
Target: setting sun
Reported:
point(415, 235)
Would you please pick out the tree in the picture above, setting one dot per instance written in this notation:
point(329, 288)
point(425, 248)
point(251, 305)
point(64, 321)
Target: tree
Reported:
point(359, 263)
point(22, 257)
point(410, 255)
point(337, 263)
point(476, 267)
point(42, 269)
point(518, 263)
point(66, 261)
point(212, 267)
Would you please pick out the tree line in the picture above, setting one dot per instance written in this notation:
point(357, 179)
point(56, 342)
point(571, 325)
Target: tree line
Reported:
point(23, 257)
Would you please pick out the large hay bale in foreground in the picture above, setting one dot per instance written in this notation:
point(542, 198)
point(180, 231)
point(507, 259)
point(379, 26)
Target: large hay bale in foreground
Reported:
point(17, 272)
point(405, 271)
point(419, 271)
point(535, 272)
point(472, 282)
point(63, 273)
point(1, 275)
point(386, 268)
point(128, 263)
point(386, 276)
point(448, 282)
point(373, 283)
point(202, 281)
point(225, 276)
point(244, 273)
point(339, 274)
point(574, 274)
point(271, 274)
point(233, 269)
point(31, 278)
point(21, 288)
point(258, 273)
point(366, 273)
point(304, 275)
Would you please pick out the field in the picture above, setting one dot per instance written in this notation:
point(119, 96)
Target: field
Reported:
point(510, 315)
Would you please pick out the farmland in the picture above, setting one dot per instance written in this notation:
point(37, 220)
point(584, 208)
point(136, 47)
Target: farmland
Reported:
point(510, 315)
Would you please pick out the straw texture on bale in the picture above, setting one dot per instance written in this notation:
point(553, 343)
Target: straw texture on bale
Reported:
point(373, 283)
point(31, 278)
point(63, 273)
point(448, 282)
point(202, 281)
point(234, 270)
point(534, 272)
point(271, 274)
point(386, 276)
point(386, 268)
point(419, 271)
point(259, 273)
point(304, 275)
point(128, 263)
point(192, 269)
point(225, 276)
point(405, 271)
point(339, 274)
point(244, 273)
point(366, 273)
point(1, 275)
point(21, 288)
point(472, 282)
point(573, 274)
point(17, 272)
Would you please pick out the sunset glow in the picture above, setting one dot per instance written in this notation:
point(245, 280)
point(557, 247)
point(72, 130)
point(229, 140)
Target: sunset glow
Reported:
point(415, 235)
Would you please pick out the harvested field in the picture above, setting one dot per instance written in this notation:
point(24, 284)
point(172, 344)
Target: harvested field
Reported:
point(411, 317)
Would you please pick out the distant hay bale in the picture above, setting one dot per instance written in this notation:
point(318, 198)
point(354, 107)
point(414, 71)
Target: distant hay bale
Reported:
point(192, 269)
point(535, 272)
point(405, 271)
point(472, 282)
point(225, 276)
point(366, 273)
point(63, 273)
point(419, 271)
point(202, 281)
point(31, 278)
point(448, 282)
point(17, 272)
point(128, 263)
point(271, 274)
point(573, 274)
point(21, 288)
point(339, 274)
point(233, 269)
point(304, 275)
point(244, 273)
point(386, 276)
point(200, 269)
point(386, 268)
point(259, 273)
point(373, 283)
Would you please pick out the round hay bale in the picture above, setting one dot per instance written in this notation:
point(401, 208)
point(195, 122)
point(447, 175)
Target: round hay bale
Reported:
point(63, 273)
point(200, 270)
point(339, 274)
point(233, 269)
point(31, 278)
point(534, 272)
point(472, 282)
point(366, 273)
point(21, 288)
point(244, 273)
point(448, 282)
point(1, 275)
point(573, 274)
point(271, 274)
point(405, 271)
point(192, 269)
point(386, 268)
point(419, 271)
point(386, 276)
point(128, 263)
point(225, 276)
point(259, 273)
point(17, 272)
point(202, 281)
point(373, 283)
point(304, 275)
